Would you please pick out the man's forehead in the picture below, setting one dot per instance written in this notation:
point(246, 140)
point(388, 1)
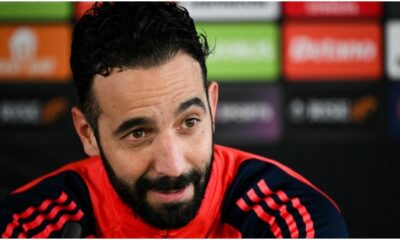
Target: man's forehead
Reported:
point(181, 68)
point(171, 83)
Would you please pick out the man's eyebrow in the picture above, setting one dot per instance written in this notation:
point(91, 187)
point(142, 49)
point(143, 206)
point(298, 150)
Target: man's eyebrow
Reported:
point(191, 102)
point(138, 121)
point(131, 123)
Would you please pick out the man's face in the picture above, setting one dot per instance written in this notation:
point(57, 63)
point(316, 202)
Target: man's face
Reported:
point(155, 137)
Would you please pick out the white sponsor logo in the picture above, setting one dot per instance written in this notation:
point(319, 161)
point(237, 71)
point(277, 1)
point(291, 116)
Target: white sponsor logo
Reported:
point(222, 10)
point(393, 49)
point(303, 48)
point(245, 112)
point(23, 46)
point(20, 112)
point(320, 110)
point(331, 8)
point(244, 50)
point(332, 110)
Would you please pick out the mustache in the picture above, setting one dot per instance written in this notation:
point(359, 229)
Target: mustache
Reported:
point(165, 183)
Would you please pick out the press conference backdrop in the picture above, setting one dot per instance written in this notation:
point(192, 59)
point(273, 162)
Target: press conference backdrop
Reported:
point(315, 85)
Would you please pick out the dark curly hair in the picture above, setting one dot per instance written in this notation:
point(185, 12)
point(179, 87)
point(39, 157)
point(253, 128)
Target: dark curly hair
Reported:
point(130, 34)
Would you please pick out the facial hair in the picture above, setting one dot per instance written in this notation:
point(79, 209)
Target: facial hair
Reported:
point(165, 216)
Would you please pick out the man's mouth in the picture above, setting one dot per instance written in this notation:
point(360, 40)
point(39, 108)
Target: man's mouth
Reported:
point(172, 196)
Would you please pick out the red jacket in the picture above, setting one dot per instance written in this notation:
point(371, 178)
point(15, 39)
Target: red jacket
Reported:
point(247, 196)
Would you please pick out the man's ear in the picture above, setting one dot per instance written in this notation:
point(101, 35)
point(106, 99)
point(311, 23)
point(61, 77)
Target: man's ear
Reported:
point(213, 99)
point(85, 132)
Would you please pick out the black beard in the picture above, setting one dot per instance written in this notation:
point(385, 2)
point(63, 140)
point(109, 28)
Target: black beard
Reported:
point(165, 216)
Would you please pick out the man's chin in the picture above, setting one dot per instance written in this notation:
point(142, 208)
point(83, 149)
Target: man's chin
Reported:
point(169, 216)
point(166, 209)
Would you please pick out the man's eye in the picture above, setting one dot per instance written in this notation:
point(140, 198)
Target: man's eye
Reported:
point(191, 122)
point(139, 133)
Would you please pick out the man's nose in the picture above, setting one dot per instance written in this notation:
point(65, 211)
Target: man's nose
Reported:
point(169, 158)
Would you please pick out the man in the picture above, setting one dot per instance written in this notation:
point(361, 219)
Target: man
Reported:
point(147, 121)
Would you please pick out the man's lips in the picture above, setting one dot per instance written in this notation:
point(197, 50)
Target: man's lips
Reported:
point(172, 196)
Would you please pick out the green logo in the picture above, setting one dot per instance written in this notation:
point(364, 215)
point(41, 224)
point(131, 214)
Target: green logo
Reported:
point(23, 11)
point(243, 51)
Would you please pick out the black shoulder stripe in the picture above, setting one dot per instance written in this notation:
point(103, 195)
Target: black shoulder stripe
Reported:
point(287, 206)
point(43, 210)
